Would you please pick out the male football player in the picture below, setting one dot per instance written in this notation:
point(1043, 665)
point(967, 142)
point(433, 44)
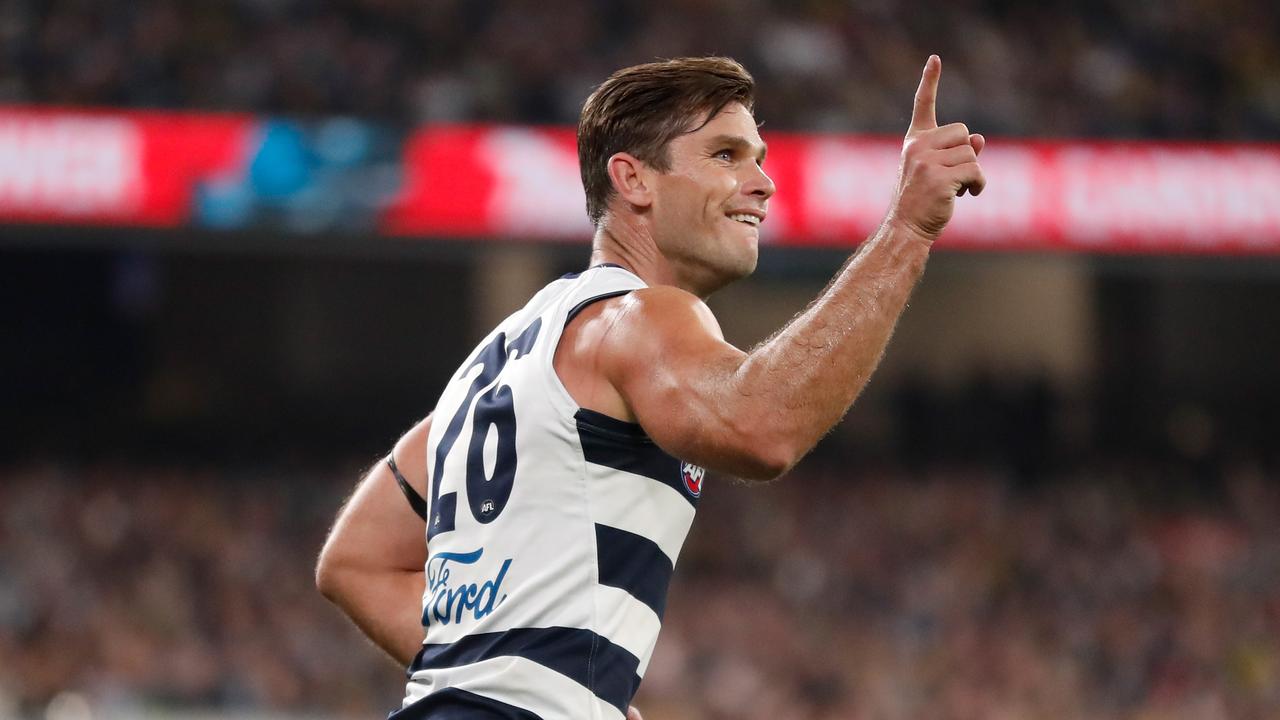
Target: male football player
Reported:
point(563, 463)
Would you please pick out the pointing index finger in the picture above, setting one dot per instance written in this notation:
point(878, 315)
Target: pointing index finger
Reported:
point(924, 115)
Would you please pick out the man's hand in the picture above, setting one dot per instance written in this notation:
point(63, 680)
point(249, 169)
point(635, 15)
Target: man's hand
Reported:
point(633, 713)
point(939, 164)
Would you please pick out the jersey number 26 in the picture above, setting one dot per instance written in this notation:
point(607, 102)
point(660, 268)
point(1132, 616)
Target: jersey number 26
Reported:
point(494, 411)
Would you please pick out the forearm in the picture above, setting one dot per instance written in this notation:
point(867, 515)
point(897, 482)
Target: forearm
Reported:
point(802, 380)
point(385, 605)
point(372, 563)
point(811, 371)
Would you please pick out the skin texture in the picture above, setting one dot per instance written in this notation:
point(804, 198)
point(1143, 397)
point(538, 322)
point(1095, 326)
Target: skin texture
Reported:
point(657, 356)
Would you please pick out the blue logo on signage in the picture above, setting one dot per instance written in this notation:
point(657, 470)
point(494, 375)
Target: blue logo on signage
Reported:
point(448, 601)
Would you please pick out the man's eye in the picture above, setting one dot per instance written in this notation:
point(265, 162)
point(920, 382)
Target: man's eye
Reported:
point(726, 155)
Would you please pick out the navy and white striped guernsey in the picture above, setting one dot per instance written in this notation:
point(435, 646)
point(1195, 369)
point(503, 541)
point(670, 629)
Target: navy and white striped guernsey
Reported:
point(552, 532)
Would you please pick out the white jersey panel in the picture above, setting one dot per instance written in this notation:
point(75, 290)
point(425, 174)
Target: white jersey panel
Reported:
point(552, 530)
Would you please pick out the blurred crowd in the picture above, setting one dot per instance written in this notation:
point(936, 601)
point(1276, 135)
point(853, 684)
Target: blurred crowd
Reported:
point(950, 592)
point(140, 588)
point(950, 595)
point(1200, 69)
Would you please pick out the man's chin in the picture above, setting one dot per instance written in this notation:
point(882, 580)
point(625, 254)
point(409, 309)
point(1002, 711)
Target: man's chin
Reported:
point(735, 268)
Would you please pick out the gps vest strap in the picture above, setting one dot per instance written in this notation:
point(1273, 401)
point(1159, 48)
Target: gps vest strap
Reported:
point(415, 500)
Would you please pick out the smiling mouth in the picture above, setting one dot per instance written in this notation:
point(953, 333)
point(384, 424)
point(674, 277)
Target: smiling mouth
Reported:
point(745, 219)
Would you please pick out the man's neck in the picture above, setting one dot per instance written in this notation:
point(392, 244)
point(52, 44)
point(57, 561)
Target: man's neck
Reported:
point(631, 245)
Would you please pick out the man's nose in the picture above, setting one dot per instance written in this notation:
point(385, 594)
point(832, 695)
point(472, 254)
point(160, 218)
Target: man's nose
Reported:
point(759, 184)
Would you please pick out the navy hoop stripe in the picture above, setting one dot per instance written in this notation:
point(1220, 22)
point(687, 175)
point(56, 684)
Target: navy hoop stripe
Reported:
point(634, 563)
point(607, 670)
point(624, 446)
point(455, 704)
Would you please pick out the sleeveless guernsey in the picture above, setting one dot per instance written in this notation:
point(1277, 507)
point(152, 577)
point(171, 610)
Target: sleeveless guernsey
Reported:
point(552, 532)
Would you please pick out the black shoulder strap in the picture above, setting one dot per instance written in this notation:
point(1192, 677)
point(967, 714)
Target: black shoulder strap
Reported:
point(415, 500)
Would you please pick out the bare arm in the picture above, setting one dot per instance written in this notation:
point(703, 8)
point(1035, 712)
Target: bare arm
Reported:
point(372, 564)
point(756, 414)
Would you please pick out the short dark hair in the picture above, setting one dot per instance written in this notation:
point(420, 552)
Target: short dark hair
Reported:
point(641, 109)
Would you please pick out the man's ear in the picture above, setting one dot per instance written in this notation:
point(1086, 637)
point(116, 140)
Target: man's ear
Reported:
point(632, 179)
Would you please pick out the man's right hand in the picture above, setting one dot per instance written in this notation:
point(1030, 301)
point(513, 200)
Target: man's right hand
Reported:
point(939, 164)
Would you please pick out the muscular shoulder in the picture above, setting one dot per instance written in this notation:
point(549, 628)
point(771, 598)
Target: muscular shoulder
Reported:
point(619, 339)
point(639, 318)
point(651, 314)
point(658, 331)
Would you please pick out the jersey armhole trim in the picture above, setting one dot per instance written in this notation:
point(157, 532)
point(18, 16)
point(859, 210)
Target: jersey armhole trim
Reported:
point(600, 424)
point(594, 299)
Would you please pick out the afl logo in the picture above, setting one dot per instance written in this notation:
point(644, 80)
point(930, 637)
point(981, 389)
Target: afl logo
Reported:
point(692, 478)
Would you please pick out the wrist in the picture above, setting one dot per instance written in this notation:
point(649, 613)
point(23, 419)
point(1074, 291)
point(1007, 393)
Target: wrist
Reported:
point(905, 231)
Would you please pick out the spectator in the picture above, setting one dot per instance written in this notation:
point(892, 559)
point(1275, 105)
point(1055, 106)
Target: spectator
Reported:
point(1110, 69)
point(952, 593)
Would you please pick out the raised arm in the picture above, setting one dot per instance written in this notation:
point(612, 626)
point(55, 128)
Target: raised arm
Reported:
point(372, 565)
point(756, 414)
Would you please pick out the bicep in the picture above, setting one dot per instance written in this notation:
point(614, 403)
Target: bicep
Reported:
point(377, 528)
point(673, 368)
